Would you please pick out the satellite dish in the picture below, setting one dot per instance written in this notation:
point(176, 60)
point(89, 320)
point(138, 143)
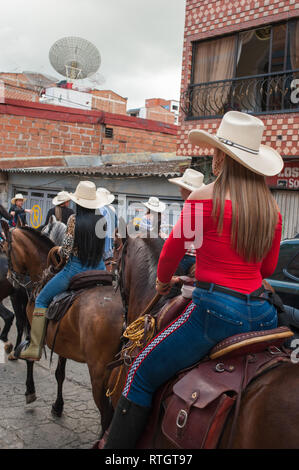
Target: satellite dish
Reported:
point(39, 81)
point(75, 58)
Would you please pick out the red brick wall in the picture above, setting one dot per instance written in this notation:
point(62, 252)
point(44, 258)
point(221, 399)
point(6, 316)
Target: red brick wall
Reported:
point(212, 18)
point(107, 100)
point(132, 141)
point(63, 131)
point(157, 113)
point(16, 87)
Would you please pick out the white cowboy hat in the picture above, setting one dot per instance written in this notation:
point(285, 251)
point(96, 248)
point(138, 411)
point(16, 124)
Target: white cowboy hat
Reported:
point(86, 195)
point(239, 136)
point(155, 205)
point(106, 192)
point(191, 180)
point(61, 197)
point(18, 196)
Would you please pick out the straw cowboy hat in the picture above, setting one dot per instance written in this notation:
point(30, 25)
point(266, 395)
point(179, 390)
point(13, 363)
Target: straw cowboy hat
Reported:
point(61, 197)
point(239, 136)
point(191, 180)
point(155, 205)
point(106, 193)
point(18, 196)
point(86, 195)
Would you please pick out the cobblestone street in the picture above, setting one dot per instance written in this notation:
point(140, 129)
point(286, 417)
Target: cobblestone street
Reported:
point(33, 426)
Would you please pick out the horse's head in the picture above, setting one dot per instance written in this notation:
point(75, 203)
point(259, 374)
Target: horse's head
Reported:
point(27, 251)
point(55, 230)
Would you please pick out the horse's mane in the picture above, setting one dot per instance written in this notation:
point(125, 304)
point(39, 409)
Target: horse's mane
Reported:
point(38, 236)
point(146, 256)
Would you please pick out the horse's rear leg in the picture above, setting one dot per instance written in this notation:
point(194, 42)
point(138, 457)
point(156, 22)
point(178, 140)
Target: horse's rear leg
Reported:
point(57, 407)
point(8, 317)
point(99, 377)
point(30, 388)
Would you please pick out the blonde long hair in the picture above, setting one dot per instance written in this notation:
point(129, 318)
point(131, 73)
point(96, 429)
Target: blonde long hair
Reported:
point(254, 210)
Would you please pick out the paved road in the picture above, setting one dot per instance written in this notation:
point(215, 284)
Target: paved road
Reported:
point(33, 426)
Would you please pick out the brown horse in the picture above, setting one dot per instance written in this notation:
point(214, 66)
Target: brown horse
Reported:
point(269, 408)
point(90, 331)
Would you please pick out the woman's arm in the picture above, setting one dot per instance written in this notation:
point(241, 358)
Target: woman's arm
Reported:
point(178, 241)
point(270, 261)
point(68, 240)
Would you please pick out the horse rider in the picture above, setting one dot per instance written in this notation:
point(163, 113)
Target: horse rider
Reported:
point(17, 210)
point(152, 220)
point(82, 249)
point(3, 215)
point(189, 182)
point(61, 210)
point(109, 213)
point(241, 230)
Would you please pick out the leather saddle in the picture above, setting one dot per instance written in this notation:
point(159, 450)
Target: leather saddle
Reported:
point(78, 283)
point(197, 402)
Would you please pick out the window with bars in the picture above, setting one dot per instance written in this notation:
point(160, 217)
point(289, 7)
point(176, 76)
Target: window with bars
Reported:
point(251, 71)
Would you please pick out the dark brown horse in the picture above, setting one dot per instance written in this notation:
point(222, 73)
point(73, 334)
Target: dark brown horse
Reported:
point(90, 331)
point(18, 298)
point(269, 409)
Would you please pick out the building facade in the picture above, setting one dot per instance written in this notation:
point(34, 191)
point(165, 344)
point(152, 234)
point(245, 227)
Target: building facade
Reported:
point(30, 131)
point(244, 56)
point(158, 109)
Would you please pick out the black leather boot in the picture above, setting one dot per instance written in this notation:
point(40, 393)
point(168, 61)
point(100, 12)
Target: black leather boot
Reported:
point(129, 420)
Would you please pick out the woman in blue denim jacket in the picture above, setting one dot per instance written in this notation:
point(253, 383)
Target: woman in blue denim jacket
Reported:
point(82, 249)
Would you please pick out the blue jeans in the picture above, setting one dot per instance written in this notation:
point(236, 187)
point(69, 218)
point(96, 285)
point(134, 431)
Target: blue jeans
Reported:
point(60, 282)
point(210, 318)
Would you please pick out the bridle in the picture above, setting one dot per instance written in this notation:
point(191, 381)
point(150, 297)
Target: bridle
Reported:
point(120, 282)
point(18, 280)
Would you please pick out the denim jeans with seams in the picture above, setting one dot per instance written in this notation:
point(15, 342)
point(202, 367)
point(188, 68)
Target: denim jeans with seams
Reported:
point(210, 318)
point(59, 283)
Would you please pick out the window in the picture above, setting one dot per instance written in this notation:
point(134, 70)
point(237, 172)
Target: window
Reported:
point(251, 71)
point(109, 132)
point(286, 254)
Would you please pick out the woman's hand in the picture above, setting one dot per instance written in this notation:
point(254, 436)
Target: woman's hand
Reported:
point(13, 213)
point(163, 288)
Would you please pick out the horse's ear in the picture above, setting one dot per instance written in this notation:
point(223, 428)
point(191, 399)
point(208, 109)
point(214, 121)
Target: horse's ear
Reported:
point(5, 228)
point(52, 220)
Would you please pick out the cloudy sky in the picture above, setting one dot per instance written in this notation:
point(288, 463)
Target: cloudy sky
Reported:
point(140, 41)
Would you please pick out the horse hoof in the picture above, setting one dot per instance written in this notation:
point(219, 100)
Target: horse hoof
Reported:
point(30, 398)
point(55, 412)
point(12, 357)
point(8, 347)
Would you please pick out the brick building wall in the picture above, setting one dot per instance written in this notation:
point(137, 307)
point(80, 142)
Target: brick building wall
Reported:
point(36, 130)
point(17, 86)
point(213, 18)
point(109, 101)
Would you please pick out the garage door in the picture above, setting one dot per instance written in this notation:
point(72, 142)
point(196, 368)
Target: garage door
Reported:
point(288, 202)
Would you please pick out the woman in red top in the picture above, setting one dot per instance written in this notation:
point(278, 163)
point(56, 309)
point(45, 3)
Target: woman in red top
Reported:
point(235, 226)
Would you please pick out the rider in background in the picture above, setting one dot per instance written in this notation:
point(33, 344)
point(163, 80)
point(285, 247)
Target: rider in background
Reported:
point(109, 213)
point(61, 210)
point(3, 215)
point(82, 249)
point(17, 210)
point(152, 220)
point(189, 182)
point(241, 231)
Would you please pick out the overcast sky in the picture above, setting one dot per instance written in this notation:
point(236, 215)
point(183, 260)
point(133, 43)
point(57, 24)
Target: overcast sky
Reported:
point(140, 41)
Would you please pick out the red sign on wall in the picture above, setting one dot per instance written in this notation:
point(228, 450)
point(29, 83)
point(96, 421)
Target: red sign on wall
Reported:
point(288, 178)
